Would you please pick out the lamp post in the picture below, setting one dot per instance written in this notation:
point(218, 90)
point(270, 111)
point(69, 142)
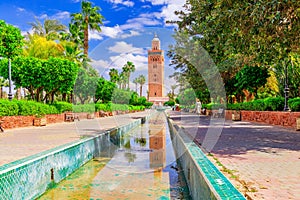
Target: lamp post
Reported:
point(286, 90)
point(9, 80)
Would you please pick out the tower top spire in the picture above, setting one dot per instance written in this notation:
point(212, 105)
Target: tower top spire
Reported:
point(155, 37)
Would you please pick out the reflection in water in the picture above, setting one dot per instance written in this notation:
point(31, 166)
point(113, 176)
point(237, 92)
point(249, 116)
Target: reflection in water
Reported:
point(137, 165)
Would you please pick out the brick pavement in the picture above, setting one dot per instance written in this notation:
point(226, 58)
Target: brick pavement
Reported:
point(22, 142)
point(263, 161)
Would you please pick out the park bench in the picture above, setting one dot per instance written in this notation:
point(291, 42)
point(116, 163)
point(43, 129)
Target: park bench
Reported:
point(2, 130)
point(219, 113)
point(70, 117)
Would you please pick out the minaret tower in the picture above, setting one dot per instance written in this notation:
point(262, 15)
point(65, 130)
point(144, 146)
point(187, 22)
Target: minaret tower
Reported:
point(155, 71)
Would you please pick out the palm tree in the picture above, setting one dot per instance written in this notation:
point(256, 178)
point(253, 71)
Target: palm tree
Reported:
point(72, 52)
point(122, 80)
point(114, 75)
point(135, 81)
point(50, 29)
point(173, 87)
point(88, 19)
point(141, 81)
point(3, 83)
point(127, 69)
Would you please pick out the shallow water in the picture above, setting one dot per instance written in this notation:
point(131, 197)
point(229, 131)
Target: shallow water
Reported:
point(138, 165)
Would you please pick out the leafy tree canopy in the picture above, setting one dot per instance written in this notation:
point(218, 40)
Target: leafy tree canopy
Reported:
point(251, 78)
point(11, 40)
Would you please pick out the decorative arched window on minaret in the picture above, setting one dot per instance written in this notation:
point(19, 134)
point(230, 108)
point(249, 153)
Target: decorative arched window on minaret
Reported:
point(155, 69)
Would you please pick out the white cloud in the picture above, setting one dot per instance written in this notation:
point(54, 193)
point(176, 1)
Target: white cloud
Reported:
point(93, 35)
point(112, 32)
point(100, 64)
point(140, 22)
point(61, 15)
point(21, 9)
point(122, 2)
point(131, 34)
point(159, 2)
point(169, 6)
point(123, 47)
point(44, 16)
point(140, 62)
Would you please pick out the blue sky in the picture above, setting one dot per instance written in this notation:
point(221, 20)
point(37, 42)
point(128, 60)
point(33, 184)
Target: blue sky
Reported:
point(126, 34)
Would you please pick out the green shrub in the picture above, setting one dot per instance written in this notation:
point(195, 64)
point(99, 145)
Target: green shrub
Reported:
point(294, 104)
point(62, 106)
point(8, 108)
point(258, 104)
point(274, 103)
point(122, 107)
point(27, 108)
point(169, 103)
point(90, 108)
point(102, 106)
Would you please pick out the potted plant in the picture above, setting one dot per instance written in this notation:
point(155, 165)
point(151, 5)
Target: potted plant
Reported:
point(39, 120)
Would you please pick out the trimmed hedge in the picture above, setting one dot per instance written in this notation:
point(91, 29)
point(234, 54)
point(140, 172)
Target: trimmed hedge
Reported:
point(30, 108)
point(25, 108)
point(268, 104)
point(294, 104)
point(63, 106)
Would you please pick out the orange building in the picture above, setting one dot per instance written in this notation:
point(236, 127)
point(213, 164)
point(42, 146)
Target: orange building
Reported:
point(156, 73)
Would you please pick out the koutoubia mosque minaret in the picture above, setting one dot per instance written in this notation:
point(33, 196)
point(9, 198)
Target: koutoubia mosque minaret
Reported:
point(156, 73)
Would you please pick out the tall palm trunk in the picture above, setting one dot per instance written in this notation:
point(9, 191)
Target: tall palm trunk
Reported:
point(86, 37)
point(141, 90)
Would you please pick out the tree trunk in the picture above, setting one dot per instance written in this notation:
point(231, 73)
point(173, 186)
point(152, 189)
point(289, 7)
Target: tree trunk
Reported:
point(141, 90)
point(86, 36)
point(64, 97)
point(1, 92)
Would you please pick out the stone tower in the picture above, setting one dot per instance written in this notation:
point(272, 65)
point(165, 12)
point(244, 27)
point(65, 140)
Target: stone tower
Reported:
point(156, 73)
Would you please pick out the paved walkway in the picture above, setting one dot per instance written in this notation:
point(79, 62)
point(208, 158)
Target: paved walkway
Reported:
point(263, 161)
point(22, 142)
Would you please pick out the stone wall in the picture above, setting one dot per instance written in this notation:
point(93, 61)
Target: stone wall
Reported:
point(9, 122)
point(287, 119)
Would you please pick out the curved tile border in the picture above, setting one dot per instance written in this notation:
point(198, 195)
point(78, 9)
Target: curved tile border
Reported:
point(203, 177)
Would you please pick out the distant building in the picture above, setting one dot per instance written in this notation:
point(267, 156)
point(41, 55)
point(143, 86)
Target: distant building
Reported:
point(156, 73)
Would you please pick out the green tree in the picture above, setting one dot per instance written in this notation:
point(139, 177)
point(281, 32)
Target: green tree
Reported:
point(104, 90)
point(122, 80)
point(11, 40)
point(141, 80)
point(50, 29)
point(135, 81)
point(72, 52)
point(121, 96)
point(55, 75)
point(238, 33)
point(85, 86)
point(39, 47)
point(128, 68)
point(88, 19)
point(114, 75)
point(251, 78)
point(187, 97)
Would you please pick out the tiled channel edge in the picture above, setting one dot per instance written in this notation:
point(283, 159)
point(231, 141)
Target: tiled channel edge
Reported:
point(30, 177)
point(204, 179)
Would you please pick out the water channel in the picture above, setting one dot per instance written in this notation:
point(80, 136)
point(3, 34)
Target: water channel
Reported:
point(140, 164)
